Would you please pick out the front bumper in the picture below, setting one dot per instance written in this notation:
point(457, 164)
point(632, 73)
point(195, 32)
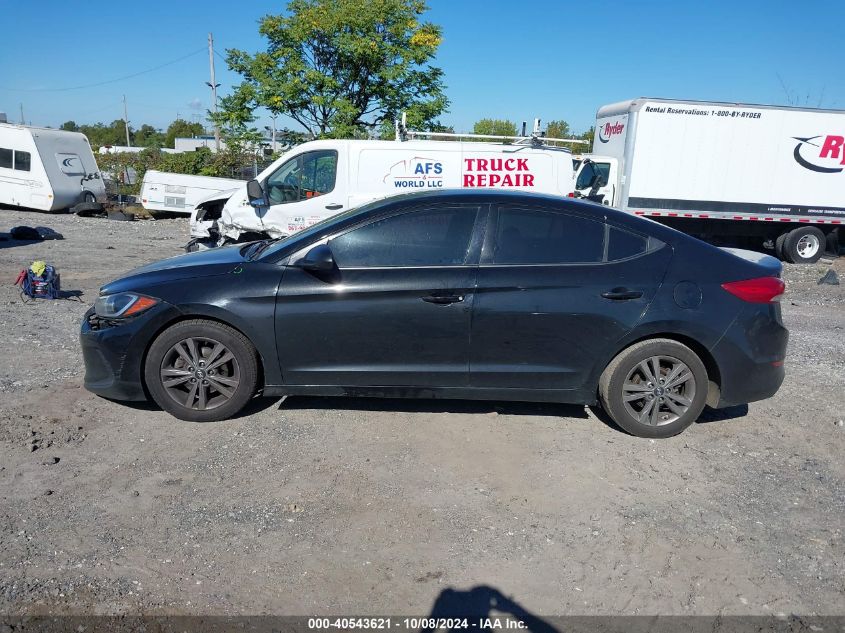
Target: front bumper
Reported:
point(114, 352)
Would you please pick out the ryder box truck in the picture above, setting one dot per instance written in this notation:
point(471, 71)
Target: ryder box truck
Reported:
point(764, 175)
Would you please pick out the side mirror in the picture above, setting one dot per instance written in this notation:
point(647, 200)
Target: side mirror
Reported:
point(255, 194)
point(319, 259)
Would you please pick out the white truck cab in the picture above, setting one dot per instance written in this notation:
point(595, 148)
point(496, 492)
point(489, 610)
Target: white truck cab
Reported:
point(319, 179)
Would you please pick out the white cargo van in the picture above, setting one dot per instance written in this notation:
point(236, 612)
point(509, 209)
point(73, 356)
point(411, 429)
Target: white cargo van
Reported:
point(46, 169)
point(322, 178)
point(768, 176)
point(180, 193)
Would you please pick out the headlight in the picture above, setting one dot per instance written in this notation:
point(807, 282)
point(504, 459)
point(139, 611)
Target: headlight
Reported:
point(122, 304)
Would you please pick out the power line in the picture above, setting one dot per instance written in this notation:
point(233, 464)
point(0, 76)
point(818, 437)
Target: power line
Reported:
point(110, 81)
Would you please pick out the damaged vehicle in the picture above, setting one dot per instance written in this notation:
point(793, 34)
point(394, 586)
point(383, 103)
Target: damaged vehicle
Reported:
point(319, 179)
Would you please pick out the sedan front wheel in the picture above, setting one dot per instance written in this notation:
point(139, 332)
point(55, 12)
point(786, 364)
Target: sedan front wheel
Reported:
point(201, 371)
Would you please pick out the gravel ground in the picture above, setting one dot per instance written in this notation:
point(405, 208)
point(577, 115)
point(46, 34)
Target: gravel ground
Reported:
point(315, 506)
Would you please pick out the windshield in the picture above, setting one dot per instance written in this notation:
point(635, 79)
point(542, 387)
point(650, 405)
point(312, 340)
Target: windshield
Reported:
point(316, 229)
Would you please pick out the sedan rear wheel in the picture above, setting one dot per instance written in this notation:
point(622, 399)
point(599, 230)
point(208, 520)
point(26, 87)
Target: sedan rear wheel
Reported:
point(201, 371)
point(655, 388)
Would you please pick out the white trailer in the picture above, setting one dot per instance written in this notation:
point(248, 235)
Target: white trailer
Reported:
point(319, 179)
point(764, 175)
point(47, 170)
point(179, 193)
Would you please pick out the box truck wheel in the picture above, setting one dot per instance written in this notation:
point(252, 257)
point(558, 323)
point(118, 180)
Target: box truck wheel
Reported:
point(779, 246)
point(804, 245)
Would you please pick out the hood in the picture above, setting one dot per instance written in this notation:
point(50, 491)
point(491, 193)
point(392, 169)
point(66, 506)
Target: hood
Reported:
point(207, 263)
point(219, 195)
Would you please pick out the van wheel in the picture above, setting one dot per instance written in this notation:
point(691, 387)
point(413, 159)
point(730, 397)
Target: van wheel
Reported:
point(655, 388)
point(201, 371)
point(804, 245)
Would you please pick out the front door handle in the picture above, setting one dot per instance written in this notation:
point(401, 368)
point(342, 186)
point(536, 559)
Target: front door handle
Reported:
point(443, 300)
point(334, 207)
point(622, 294)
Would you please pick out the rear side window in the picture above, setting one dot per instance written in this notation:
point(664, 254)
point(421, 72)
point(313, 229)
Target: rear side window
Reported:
point(22, 160)
point(428, 237)
point(622, 244)
point(537, 236)
point(5, 158)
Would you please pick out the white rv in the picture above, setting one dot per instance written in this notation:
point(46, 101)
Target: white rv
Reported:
point(179, 193)
point(46, 169)
point(769, 176)
point(319, 179)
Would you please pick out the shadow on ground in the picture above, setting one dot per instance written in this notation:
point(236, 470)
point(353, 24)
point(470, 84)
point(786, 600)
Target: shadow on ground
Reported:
point(412, 405)
point(480, 603)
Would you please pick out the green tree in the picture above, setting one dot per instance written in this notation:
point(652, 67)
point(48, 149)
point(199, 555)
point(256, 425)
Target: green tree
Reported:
point(181, 129)
point(100, 134)
point(148, 136)
point(558, 129)
point(341, 67)
point(69, 126)
point(496, 127)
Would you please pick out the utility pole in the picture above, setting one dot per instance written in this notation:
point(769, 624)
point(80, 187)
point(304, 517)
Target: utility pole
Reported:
point(213, 85)
point(126, 122)
point(22, 119)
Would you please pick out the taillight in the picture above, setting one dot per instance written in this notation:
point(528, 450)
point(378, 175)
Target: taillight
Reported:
point(571, 194)
point(759, 290)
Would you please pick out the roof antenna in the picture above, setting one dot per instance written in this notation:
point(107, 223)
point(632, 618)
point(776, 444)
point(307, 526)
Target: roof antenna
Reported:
point(524, 129)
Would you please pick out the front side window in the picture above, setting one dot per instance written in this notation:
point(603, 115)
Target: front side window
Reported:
point(427, 237)
point(593, 173)
point(6, 158)
point(303, 177)
point(540, 236)
point(23, 161)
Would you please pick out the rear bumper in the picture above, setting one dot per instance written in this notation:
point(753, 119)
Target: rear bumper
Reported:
point(751, 356)
point(114, 356)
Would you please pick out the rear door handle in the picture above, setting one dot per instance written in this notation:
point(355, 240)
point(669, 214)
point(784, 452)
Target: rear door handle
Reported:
point(334, 207)
point(443, 300)
point(622, 294)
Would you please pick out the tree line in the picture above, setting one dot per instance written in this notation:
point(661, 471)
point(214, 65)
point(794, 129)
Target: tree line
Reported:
point(114, 133)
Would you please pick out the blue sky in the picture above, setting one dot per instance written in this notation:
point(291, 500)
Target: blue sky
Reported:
point(546, 58)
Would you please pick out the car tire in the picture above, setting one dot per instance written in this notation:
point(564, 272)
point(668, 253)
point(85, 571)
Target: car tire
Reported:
point(211, 371)
point(626, 396)
point(804, 245)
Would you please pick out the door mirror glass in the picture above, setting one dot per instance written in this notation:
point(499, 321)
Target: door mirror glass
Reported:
point(255, 194)
point(318, 259)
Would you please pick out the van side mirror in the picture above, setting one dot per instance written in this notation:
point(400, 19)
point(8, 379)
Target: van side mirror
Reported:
point(255, 194)
point(319, 259)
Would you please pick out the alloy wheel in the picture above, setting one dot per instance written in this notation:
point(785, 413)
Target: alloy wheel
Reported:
point(658, 390)
point(200, 373)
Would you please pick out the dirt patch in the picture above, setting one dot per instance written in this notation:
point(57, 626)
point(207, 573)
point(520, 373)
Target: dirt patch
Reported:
point(316, 506)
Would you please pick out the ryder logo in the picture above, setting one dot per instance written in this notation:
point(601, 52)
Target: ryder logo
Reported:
point(826, 156)
point(609, 130)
